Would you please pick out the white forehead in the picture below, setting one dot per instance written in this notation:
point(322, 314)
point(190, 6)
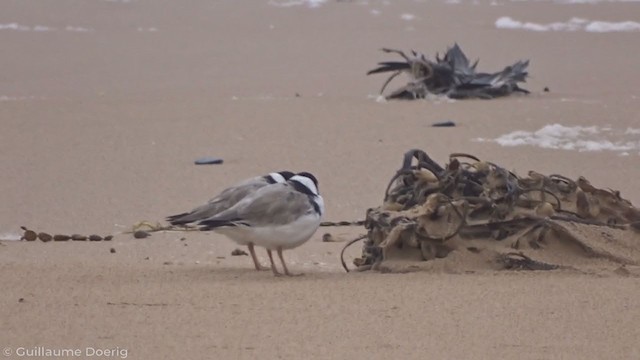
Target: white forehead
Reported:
point(306, 182)
point(277, 177)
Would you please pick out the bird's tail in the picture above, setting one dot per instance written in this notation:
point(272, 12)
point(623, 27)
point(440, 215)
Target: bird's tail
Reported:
point(212, 224)
point(178, 219)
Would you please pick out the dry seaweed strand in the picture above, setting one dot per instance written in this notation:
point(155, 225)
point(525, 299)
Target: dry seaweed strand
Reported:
point(344, 264)
point(141, 230)
point(486, 201)
point(520, 261)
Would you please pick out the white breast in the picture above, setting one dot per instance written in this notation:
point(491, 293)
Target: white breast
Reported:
point(286, 236)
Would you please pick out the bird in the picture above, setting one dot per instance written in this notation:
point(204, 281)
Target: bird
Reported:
point(277, 217)
point(228, 198)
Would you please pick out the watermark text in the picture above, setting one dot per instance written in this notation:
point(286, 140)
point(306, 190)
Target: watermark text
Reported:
point(54, 352)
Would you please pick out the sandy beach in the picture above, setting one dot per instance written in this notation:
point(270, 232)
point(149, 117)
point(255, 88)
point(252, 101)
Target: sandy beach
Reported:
point(105, 105)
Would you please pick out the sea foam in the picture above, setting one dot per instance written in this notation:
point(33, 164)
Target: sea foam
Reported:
point(289, 3)
point(10, 236)
point(573, 24)
point(578, 138)
point(42, 28)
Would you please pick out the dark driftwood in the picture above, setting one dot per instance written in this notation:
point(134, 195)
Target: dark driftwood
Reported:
point(450, 76)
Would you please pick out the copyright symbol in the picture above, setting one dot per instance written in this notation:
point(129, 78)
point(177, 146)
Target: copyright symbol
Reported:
point(7, 351)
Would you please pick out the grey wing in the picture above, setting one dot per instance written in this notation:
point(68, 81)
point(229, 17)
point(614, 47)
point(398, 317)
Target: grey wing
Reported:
point(276, 204)
point(228, 198)
point(239, 191)
point(280, 206)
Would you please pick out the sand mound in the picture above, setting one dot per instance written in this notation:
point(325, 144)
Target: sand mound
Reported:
point(474, 214)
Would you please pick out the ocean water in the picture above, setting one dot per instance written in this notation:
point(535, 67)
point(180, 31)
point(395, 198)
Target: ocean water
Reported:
point(378, 7)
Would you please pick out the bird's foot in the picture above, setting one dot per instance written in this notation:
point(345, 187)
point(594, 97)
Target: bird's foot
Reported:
point(262, 268)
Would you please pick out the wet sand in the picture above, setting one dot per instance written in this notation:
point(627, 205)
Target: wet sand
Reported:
point(100, 130)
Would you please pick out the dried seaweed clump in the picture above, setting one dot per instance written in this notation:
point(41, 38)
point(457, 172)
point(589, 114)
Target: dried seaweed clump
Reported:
point(450, 76)
point(435, 210)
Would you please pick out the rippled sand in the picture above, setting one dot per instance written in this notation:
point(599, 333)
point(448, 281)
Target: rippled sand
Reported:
point(100, 129)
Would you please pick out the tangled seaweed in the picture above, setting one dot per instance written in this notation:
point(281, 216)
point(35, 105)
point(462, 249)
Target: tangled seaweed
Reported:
point(426, 205)
point(451, 76)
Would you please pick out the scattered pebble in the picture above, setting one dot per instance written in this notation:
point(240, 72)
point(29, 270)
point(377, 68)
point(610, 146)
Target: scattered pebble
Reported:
point(167, 263)
point(327, 237)
point(29, 235)
point(622, 271)
point(45, 237)
point(238, 252)
point(546, 89)
point(21, 300)
point(112, 250)
point(141, 234)
point(208, 161)
point(447, 123)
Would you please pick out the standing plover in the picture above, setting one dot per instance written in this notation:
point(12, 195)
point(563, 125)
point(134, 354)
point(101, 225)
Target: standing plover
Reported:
point(228, 198)
point(277, 217)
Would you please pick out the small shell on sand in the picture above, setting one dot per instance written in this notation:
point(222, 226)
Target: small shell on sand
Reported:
point(208, 160)
point(447, 123)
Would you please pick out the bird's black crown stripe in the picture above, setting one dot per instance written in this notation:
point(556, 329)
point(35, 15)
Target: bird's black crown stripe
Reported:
point(310, 176)
point(286, 174)
point(300, 187)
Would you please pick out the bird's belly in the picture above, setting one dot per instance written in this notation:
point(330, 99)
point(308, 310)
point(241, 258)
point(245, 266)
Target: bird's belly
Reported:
point(286, 236)
point(238, 234)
